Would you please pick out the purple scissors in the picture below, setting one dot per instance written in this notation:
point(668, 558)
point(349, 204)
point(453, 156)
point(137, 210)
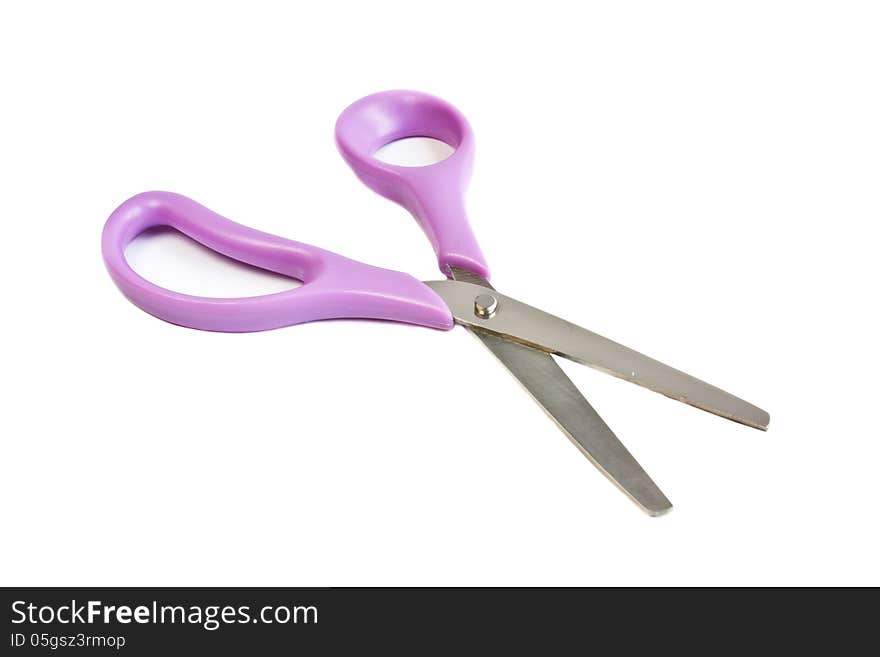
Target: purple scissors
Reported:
point(523, 338)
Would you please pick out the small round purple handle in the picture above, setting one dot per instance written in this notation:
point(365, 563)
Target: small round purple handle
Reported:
point(434, 194)
point(333, 286)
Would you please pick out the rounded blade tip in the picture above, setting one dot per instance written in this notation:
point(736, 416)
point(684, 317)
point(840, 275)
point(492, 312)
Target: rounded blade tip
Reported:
point(656, 513)
point(760, 420)
point(653, 502)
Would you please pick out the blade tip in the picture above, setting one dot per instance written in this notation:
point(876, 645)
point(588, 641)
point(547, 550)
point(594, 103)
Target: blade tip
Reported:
point(763, 421)
point(656, 512)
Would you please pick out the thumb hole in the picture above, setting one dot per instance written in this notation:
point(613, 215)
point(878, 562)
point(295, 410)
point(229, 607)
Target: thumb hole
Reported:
point(414, 152)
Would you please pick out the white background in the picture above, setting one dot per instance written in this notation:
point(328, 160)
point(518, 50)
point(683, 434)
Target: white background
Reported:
point(696, 180)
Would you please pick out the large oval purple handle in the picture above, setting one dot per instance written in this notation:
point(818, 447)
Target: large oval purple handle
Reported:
point(434, 194)
point(333, 286)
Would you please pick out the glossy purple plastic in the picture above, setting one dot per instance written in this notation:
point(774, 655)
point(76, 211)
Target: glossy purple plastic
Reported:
point(333, 286)
point(434, 194)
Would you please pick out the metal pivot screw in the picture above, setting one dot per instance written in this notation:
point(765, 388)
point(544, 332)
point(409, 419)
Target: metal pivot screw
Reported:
point(485, 305)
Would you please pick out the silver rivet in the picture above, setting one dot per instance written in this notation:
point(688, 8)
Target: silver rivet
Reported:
point(485, 305)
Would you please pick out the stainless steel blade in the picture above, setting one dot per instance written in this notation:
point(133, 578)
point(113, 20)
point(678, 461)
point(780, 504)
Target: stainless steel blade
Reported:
point(514, 320)
point(551, 388)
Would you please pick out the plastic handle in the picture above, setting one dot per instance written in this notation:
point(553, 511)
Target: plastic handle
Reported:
point(333, 286)
point(434, 194)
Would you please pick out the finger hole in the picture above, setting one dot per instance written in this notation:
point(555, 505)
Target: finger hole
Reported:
point(168, 258)
point(414, 152)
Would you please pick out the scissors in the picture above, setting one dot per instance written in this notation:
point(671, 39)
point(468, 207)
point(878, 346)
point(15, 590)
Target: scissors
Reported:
point(523, 338)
